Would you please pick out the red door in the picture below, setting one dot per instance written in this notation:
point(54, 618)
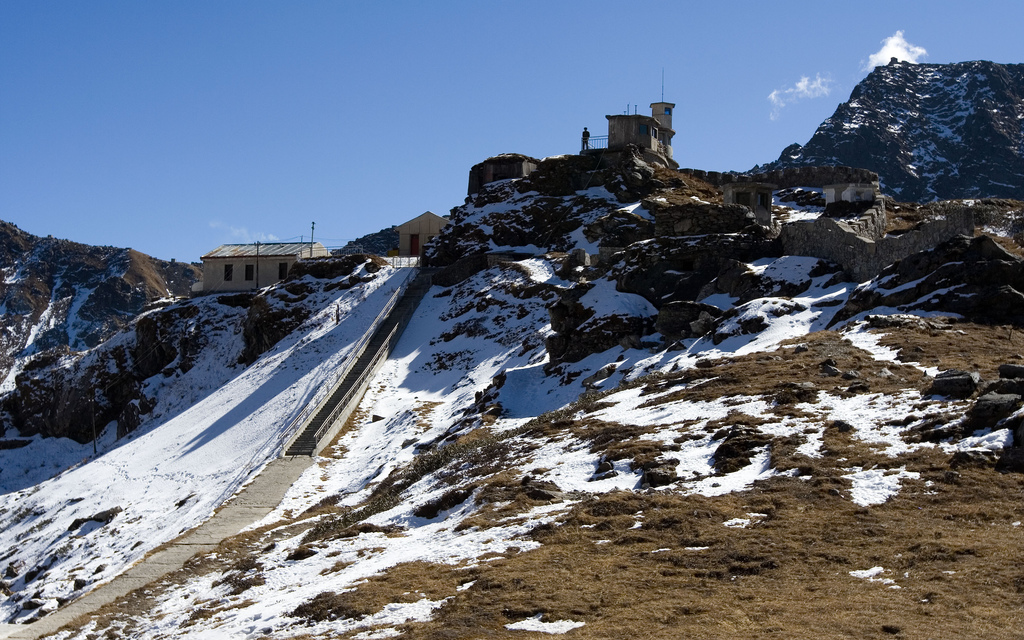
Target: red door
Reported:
point(414, 244)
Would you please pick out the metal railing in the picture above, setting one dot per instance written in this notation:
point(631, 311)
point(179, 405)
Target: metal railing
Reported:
point(403, 261)
point(594, 142)
point(350, 395)
point(327, 390)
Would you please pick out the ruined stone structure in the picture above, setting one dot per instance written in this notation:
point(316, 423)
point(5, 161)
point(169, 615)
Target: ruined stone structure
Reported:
point(857, 243)
point(756, 196)
point(503, 167)
point(818, 177)
point(860, 245)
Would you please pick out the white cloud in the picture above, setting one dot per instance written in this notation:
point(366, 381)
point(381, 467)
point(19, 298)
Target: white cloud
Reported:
point(895, 46)
point(241, 235)
point(804, 88)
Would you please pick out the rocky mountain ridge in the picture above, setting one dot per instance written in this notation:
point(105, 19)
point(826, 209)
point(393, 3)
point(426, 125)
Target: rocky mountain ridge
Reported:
point(931, 131)
point(59, 296)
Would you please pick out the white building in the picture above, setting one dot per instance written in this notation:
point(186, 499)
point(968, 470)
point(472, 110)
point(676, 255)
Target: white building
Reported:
point(240, 267)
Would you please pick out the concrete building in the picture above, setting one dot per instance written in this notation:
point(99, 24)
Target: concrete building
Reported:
point(850, 192)
point(756, 196)
point(414, 234)
point(240, 267)
point(653, 134)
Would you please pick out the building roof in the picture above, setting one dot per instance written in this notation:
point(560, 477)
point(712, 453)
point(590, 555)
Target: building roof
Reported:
point(428, 215)
point(266, 250)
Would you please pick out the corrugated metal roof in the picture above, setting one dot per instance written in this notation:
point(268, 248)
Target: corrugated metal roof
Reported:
point(266, 250)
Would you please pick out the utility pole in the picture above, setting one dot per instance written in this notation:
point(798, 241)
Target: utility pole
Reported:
point(311, 239)
point(94, 424)
point(257, 264)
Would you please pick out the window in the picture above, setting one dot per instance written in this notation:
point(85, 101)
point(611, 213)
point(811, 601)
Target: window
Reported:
point(668, 111)
point(762, 200)
point(250, 271)
point(643, 130)
point(282, 270)
point(743, 197)
point(228, 269)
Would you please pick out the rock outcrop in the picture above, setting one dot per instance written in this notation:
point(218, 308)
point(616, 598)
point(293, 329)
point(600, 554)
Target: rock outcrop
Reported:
point(972, 277)
point(58, 294)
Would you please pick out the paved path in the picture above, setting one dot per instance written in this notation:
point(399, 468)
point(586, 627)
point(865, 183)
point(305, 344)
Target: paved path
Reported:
point(255, 501)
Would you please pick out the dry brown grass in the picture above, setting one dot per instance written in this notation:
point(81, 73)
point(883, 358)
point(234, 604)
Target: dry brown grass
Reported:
point(785, 576)
point(963, 345)
point(947, 539)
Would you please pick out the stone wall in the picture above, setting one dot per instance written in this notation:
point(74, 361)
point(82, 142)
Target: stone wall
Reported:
point(695, 218)
point(860, 247)
point(785, 178)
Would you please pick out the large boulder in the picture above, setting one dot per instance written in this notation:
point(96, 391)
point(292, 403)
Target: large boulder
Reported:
point(955, 384)
point(990, 409)
point(664, 270)
point(683, 319)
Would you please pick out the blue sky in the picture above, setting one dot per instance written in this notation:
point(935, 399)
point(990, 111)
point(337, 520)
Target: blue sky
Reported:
point(172, 127)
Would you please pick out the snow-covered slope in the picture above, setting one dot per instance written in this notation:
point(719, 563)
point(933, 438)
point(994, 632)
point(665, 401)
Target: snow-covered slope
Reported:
point(930, 131)
point(469, 444)
point(688, 437)
point(212, 427)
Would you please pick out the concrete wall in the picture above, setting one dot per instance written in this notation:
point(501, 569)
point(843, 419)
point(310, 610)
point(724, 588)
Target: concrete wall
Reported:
point(859, 192)
point(623, 130)
point(848, 245)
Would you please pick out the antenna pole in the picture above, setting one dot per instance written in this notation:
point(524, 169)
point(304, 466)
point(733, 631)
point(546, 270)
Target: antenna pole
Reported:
point(663, 84)
point(94, 453)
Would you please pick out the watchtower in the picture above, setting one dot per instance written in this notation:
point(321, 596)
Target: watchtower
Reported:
point(653, 134)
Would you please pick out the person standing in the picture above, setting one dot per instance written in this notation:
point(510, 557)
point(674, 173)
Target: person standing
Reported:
point(586, 139)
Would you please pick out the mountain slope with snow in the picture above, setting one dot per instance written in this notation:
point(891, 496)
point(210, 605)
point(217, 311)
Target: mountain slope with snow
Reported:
point(481, 493)
point(62, 295)
point(211, 429)
point(692, 435)
point(930, 131)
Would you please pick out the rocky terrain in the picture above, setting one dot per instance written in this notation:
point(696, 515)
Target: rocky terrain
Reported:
point(191, 400)
point(115, 383)
point(60, 296)
point(377, 243)
point(603, 427)
point(623, 408)
point(931, 131)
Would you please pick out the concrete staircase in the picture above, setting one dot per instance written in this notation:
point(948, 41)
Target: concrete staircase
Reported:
point(331, 415)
